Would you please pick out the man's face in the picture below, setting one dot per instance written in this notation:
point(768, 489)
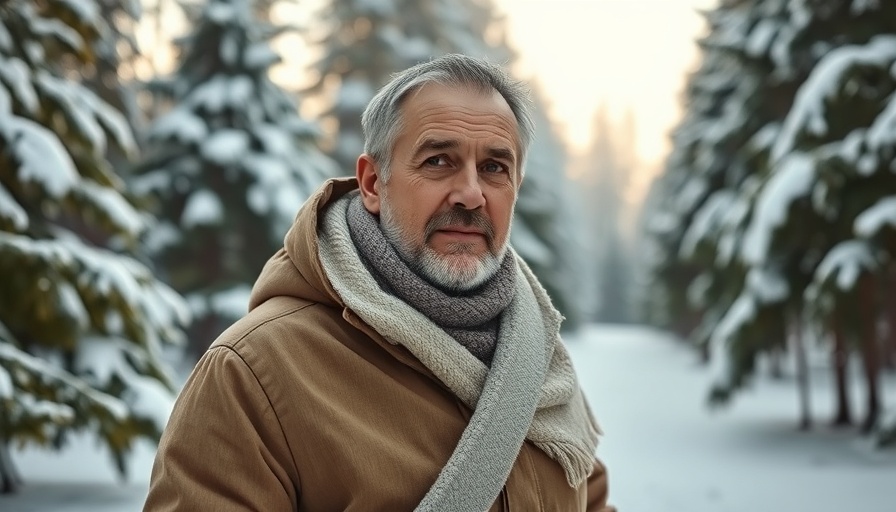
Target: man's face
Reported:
point(448, 203)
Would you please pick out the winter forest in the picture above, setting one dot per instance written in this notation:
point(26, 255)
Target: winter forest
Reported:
point(143, 187)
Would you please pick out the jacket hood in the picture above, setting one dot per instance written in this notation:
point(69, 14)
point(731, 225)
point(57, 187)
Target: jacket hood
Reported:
point(295, 270)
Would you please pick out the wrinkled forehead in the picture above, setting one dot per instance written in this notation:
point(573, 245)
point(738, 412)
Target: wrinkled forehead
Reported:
point(421, 101)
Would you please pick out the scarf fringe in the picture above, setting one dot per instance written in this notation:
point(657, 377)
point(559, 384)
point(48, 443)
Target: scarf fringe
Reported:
point(573, 459)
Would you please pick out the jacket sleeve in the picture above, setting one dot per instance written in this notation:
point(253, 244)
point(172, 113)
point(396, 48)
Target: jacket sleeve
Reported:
point(223, 448)
point(598, 489)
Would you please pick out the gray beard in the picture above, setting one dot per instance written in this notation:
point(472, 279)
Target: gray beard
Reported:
point(434, 267)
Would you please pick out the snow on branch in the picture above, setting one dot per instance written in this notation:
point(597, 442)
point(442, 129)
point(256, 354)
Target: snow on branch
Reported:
point(40, 156)
point(860, 6)
point(225, 147)
point(114, 208)
point(26, 377)
point(741, 313)
point(87, 12)
point(203, 208)
point(260, 56)
point(809, 115)
point(707, 222)
point(181, 125)
point(87, 113)
point(844, 264)
point(46, 28)
point(102, 360)
point(791, 180)
point(881, 136)
point(122, 280)
point(16, 75)
point(11, 211)
point(879, 216)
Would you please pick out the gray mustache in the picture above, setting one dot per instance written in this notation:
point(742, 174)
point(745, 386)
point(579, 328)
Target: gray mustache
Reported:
point(461, 216)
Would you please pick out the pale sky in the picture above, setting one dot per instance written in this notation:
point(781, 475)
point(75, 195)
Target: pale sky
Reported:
point(624, 53)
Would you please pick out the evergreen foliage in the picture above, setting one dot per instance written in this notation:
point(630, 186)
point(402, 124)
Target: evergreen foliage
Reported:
point(82, 321)
point(228, 166)
point(115, 54)
point(776, 203)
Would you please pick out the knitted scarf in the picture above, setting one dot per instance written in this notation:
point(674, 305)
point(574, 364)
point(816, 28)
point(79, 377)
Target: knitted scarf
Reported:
point(529, 393)
point(470, 318)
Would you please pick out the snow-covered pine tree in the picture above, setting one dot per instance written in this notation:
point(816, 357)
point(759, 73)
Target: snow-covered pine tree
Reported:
point(837, 146)
point(737, 154)
point(735, 103)
point(796, 228)
point(703, 195)
point(229, 165)
point(782, 237)
point(82, 322)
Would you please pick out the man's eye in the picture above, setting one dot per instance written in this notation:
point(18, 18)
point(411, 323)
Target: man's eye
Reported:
point(493, 167)
point(436, 161)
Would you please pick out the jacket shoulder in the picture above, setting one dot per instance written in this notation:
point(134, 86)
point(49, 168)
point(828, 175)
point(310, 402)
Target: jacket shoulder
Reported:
point(285, 327)
point(261, 320)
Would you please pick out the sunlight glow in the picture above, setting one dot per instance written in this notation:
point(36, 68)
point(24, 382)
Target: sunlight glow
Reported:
point(624, 53)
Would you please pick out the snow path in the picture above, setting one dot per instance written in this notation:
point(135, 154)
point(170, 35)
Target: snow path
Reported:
point(665, 450)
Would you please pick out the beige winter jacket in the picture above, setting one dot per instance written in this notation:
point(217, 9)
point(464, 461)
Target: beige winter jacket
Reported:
point(301, 406)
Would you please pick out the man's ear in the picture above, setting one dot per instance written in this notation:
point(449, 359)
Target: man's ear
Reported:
point(369, 183)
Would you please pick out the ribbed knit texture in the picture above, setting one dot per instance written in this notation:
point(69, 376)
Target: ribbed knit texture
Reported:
point(471, 317)
point(530, 392)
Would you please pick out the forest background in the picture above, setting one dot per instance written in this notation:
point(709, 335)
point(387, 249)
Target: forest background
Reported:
point(736, 189)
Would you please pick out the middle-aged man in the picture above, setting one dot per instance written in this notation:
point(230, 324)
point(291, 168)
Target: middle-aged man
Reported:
point(398, 354)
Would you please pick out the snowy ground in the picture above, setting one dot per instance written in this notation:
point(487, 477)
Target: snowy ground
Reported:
point(665, 451)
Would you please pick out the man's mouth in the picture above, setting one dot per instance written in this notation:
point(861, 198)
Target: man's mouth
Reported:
point(462, 230)
point(461, 225)
point(462, 234)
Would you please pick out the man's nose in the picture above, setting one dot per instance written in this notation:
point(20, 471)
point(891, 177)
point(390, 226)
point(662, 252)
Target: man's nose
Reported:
point(466, 191)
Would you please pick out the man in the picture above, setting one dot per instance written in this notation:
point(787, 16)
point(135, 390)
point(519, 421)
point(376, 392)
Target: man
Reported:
point(397, 355)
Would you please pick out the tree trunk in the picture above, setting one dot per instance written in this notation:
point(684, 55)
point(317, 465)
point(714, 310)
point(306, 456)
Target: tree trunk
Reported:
point(889, 345)
point(889, 355)
point(840, 356)
point(705, 354)
point(776, 363)
point(802, 373)
point(871, 365)
point(10, 479)
point(870, 349)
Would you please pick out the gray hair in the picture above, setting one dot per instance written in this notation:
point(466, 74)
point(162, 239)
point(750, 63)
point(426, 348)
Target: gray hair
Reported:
point(381, 120)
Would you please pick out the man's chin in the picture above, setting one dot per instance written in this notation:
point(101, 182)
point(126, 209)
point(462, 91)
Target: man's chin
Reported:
point(460, 272)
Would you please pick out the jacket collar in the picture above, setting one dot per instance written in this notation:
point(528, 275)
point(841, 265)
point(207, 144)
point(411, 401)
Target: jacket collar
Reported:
point(295, 270)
